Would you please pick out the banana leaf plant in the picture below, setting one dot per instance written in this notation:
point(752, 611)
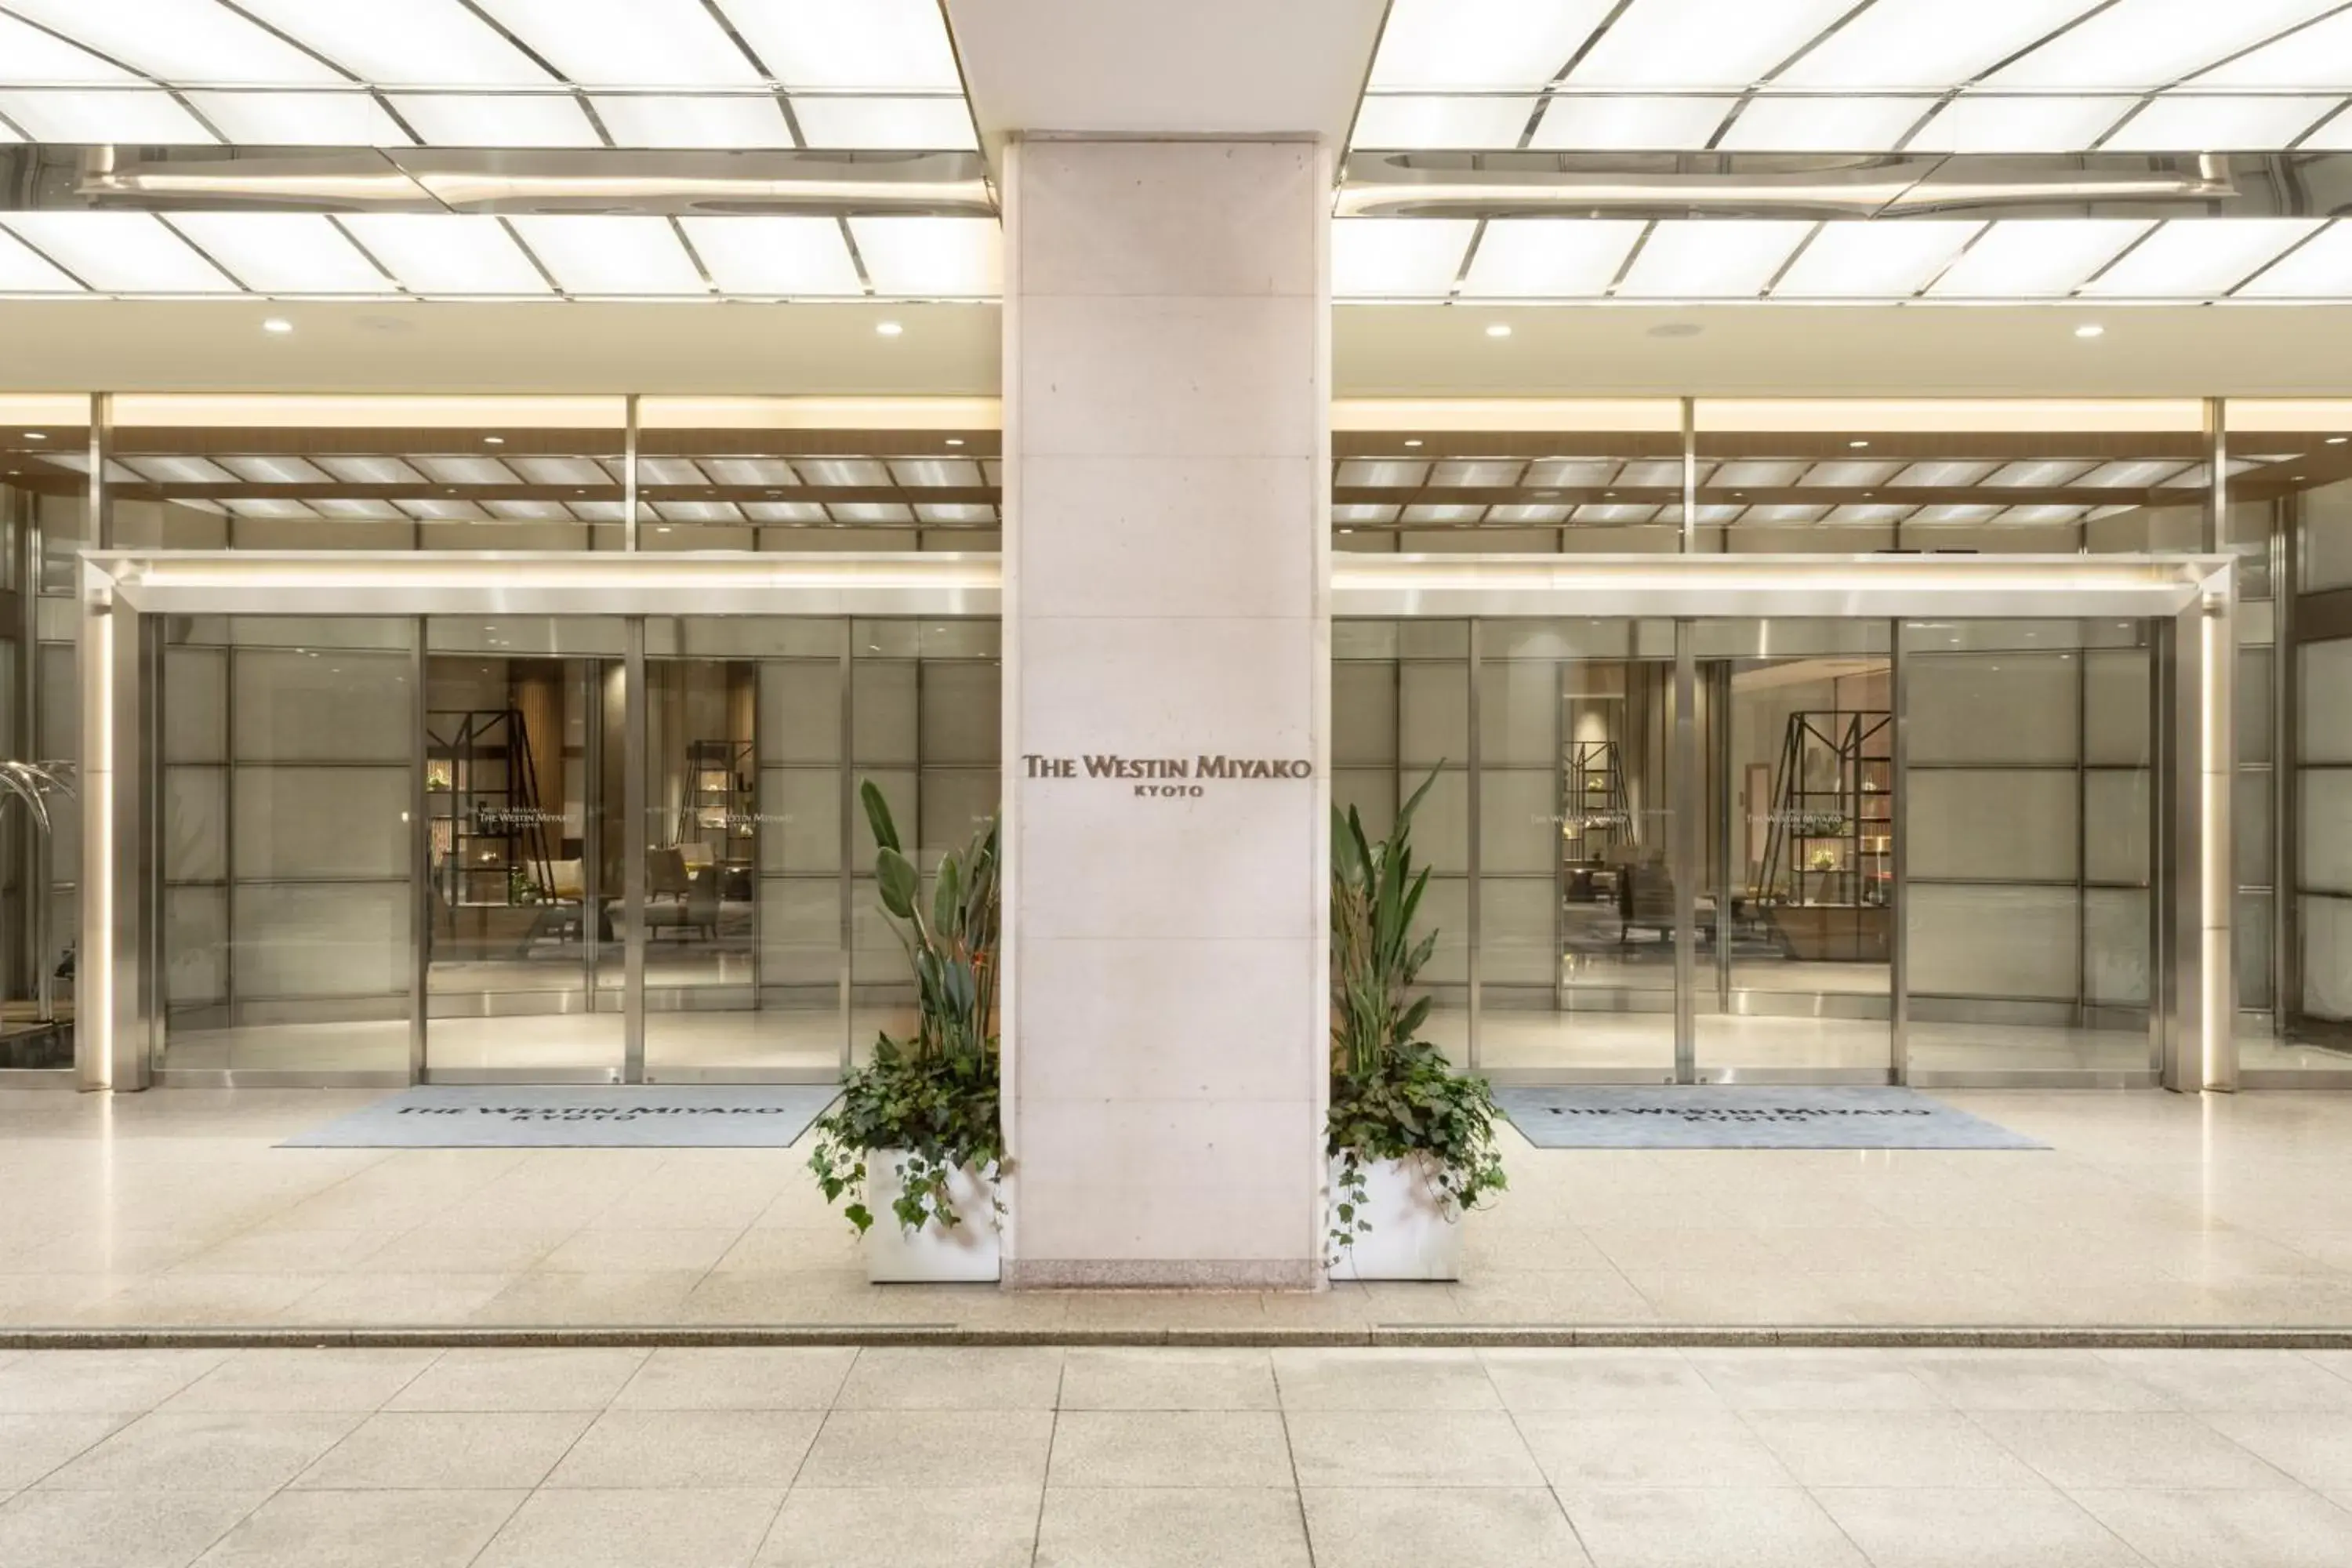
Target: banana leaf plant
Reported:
point(1375, 894)
point(1393, 1094)
point(950, 937)
point(932, 1098)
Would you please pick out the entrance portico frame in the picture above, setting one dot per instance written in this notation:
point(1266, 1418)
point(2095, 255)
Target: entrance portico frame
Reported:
point(2188, 599)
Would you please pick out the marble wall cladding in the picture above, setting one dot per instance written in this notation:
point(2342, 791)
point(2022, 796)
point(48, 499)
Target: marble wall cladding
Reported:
point(1166, 390)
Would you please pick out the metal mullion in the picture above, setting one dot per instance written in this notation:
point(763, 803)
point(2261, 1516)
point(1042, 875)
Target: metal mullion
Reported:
point(1477, 856)
point(635, 761)
point(2286, 771)
point(420, 849)
point(1898, 828)
point(1684, 855)
point(629, 444)
point(848, 878)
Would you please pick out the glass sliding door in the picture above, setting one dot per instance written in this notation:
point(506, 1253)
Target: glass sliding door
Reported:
point(744, 798)
point(2028, 825)
point(1576, 809)
point(1795, 915)
point(525, 864)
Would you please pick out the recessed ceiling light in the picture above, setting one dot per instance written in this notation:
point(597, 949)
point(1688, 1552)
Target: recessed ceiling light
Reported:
point(2338, 440)
point(955, 440)
point(1415, 442)
point(2090, 330)
point(2294, 479)
point(1498, 329)
point(887, 329)
point(1857, 446)
point(494, 440)
point(34, 436)
point(1677, 330)
point(278, 324)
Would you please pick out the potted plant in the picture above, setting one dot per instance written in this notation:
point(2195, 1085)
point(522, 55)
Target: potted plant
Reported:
point(915, 1137)
point(1411, 1141)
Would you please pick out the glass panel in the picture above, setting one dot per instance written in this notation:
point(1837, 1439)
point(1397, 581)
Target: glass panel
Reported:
point(2028, 837)
point(284, 817)
point(923, 727)
point(744, 792)
point(1576, 895)
point(370, 473)
point(525, 722)
point(1795, 909)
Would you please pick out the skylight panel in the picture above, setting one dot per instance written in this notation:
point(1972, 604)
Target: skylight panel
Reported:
point(912, 124)
point(435, 253)
point(671, 473)
point(665, 43)
point(2038, 473)
point(1482, 43)
point(1397, 259)
point(649, 121)
point(1619, 124)
point(1550, 258)
point(471, 119)
point(843, 472)
point(1585, 473)
point(786, 257)
point(577, 471)
point(140, 116)
point(870, 44)
point(2147, 42)
point(1865, 260)
point(1991, 123)
point(270, 470)
point(1426, 120)
point(1652, 474)
point(1477, 474)
point(1703, 43)
point(171, 470)
point(22, 270)
point(931, 258)
point(1758, 474)
point(283, 253)
point(2133, 473)
point(301, 118)
point(1845, 476)
point(120, 253)
point(949, 472)
point(1534, 512)
point(2319, 53)
point(1382, 473)
point(371, 471)
point(2332, 134)
point(2196, 258)
point(774, 472)
point(36, 55)
point(1833, 124)
point(435, 42)
point(468, 471)
point(179, 41)
point(2178, 123)
point(1943, 475)
point(2320, 268)
point(2035, 258)
point(1927, 43)
point(1710, 259)
point(603, 254)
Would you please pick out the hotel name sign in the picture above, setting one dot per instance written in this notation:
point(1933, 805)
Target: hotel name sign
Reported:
point(1155, 778)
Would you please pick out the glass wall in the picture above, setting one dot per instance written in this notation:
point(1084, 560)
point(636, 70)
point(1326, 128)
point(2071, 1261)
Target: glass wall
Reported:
point(284, 827)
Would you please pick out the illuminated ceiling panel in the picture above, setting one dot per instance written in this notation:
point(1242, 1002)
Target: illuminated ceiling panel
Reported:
point(2035, 259)
point(1702, 43)
point(1632, 124)
point(1482, 43)
point(1731, 259)
point(434, 254)
point(1429, 120)
point(2052, 124)
point(179, 40)
point(440, 42)
point(782, 256)
point(144, 115)
point(301, 118)
point(34, 55)
point(605, 43)
point(1841, 124)
point(931, 258)
point(1926, 43)
point(2320, 268)
point(2321, 52)
point(23, 272)
point(282, 253)
point(2177, 124)
point(2198, 261)
point(120, 252)
point(1390, 258)
point(603, 255)
point(634, 120)
point(2152, 42)
point(1549, 258)
point(939, 124)
point(873, 44)
point(1873, 260)
point(482, 120)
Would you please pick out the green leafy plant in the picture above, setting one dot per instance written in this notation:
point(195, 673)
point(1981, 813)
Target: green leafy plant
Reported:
point(934, 1096)
point(1393, 1094)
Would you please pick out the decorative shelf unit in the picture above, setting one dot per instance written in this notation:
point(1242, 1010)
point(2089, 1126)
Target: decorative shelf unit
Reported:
point(1827, 878)
point(483, 803)
point(720, 809)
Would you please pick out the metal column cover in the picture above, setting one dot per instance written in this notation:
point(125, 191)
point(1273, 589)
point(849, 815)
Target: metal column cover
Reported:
point(635, 850)
point(112, 1046)
point(1683, 794)
point(1898, 955)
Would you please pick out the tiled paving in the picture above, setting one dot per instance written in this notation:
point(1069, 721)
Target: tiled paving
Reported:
point(174, 1209)
point(1144, 1458)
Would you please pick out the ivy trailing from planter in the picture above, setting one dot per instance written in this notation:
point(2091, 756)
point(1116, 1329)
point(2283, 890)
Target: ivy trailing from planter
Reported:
point(933, 1096)
point(1393, 1094)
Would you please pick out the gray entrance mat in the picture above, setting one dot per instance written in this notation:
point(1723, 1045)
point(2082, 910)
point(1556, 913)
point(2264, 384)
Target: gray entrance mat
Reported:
point(452, 1116)
point(1746, 1116)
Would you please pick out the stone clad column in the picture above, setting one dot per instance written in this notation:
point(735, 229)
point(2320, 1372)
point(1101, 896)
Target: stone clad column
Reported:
point(1167, 446)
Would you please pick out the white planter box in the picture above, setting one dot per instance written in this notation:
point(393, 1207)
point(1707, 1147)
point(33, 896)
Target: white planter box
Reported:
point(1414, 1235)
point(933, 1255)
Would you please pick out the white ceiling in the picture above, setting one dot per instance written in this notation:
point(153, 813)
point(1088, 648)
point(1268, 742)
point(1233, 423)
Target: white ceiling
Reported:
point(1993, 76)
point(482, 73)
point(1400, 351)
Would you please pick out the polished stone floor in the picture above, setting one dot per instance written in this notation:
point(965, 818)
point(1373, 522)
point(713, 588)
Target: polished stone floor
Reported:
point(1004, 1457)
point(173, 1208)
